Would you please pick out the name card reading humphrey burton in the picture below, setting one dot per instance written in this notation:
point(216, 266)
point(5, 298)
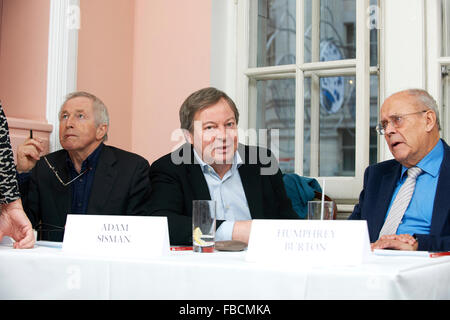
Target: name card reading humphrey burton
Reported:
point(116, 236)
point(309, 242)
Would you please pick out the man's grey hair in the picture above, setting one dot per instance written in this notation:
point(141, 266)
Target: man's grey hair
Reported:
point(425, 100)
point(101, 115)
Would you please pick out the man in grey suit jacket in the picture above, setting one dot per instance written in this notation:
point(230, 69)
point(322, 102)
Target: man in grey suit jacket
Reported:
point(86, 177)
point(410, 124)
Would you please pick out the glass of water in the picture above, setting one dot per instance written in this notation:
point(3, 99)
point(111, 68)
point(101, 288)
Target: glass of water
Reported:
point(203, 225)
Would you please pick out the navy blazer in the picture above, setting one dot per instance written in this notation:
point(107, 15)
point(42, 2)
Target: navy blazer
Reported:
point(175, 185)
point(379, 184)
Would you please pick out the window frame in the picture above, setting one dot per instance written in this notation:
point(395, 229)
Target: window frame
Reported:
point(436, 61)
point(62, 62)
point(359, 67)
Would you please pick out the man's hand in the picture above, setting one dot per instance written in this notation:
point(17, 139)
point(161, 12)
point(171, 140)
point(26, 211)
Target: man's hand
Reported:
point(241, 230)
point(28, 153)
point(15, 224)
point(397, 242)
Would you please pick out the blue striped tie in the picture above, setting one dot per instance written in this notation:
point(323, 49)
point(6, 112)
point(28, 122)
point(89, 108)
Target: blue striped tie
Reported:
point(401, 202)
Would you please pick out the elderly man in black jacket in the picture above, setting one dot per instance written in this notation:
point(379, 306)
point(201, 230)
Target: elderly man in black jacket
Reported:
point(86, 177)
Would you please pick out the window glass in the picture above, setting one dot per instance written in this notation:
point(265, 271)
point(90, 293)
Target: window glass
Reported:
point(337, 30)
point(337, 128)
point(374, 116)
point(336, 138)
point(445, 28)
point(445, 116)
point(276, 33)
point(337, 124)
point(276, 110)
point(307, 128)
point(329, 34)
point(374, 25)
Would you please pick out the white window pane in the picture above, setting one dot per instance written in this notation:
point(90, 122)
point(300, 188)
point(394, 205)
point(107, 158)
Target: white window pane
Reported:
point(276, 110)
point(445, 117)
point(337, 126)
point(307, 128)
point(276, 33)
point(335, 137)
point(446, 28)
point(330, 30)
point(307, 17)
point(336, 144)
point(374, 119)
point(327, 143)
point(374, 24)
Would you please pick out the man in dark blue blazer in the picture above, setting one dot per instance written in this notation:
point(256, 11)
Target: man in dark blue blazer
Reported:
point(410, 124)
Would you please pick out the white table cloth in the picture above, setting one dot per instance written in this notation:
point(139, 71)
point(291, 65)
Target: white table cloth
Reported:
point(46, 272)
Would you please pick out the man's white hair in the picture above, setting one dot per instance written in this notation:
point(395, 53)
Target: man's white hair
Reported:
point(425, 100)
point(101, 115)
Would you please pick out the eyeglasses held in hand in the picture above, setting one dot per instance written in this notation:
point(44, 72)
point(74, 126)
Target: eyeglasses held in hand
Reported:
point(46, 227)
point(65, 184)
point(45, 230)
point(396, 120)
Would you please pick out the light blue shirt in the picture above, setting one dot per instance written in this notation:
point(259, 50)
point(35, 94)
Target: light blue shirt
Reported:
point(228, 192)
point(417, 217)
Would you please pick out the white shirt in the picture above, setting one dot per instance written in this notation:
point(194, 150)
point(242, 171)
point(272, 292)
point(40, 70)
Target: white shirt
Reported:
point(228, 192)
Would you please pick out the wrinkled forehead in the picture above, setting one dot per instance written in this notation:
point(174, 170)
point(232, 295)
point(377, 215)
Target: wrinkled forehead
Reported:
point(401, 103)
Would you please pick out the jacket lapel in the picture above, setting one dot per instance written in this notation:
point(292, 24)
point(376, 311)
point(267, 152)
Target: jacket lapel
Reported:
point(251, 182)
point(441, 208)
point(197, 179)
point(200, 190)
point(61, 194)
point(105, 175)
point(387, 187)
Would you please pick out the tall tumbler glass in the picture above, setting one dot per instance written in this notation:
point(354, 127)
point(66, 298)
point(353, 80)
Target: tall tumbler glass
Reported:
point(203, 225)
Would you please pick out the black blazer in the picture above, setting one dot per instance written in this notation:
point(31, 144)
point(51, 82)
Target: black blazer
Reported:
point(121, 186)
point(379, 184)
point(175, 185)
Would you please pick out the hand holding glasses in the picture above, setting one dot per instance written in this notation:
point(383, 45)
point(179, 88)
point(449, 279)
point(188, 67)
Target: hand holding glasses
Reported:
point(47, 231)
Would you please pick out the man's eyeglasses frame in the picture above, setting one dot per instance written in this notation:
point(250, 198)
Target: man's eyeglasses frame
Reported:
point(395, 120)
point(65, 184)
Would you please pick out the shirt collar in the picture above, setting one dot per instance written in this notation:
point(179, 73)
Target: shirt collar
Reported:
point(91, 160)
point(431, 163)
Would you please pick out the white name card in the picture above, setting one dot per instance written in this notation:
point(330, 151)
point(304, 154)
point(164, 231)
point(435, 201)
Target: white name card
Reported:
point(309, 242)
point(116, 236)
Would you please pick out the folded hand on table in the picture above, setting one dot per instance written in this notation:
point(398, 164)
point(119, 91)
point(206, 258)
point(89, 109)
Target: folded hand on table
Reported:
point(396, 242)
point(241, 230)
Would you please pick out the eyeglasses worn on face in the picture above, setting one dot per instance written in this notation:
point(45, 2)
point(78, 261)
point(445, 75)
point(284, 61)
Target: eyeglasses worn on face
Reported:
point(396, 120)
point(65, 184)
